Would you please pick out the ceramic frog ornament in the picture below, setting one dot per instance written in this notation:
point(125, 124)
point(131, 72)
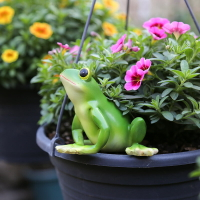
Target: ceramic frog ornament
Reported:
point(105, 126)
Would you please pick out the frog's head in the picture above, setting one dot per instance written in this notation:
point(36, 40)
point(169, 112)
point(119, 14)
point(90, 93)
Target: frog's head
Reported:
point(79, 84)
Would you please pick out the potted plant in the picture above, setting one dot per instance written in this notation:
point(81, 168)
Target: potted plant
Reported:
point(28, 31)
point(154, 76)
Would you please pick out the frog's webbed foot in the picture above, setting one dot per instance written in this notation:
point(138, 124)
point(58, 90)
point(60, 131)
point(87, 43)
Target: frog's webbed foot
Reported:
point(140, 150)
point(70, 149)
point(76, 149)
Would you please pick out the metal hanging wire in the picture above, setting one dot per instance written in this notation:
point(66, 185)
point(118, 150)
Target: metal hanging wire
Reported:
point(127, 14)
point(57, 137)
point(192, 15)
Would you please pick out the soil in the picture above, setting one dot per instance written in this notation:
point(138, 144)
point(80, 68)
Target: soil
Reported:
point(166, 143)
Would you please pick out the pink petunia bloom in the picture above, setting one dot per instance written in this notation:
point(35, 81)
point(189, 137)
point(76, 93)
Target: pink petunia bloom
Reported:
point(129, 46)
point(133, 78)
point(54, 51)
point(64, 46)
point(158, 34)
point(94, 34)
point(144, 65)
point(135, 49)
point(74, 50)
point(177, 28)
point(119, 45)
point(155, 22)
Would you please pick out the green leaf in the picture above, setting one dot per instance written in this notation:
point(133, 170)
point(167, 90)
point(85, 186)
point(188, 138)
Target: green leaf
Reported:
point(154, 118)
point(159, 56)
point(188, 85)
point(184, 65)
point(166, 92)
point(186, 112)
point(193, 101)
point(195, 173)
point(196, 87)
point(167, 115)
point(179, 73)
point(95, 55)
point(197, 112)
point(146, 104)
point(189, 53)
point(179, 116)
point(170, 56)
point(121, 62)
point(162, 100)
point(195, 121)
point(195, 69)
point(174, 95)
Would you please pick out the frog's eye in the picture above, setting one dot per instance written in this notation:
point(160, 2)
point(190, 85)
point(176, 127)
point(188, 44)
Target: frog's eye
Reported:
point(84, 73)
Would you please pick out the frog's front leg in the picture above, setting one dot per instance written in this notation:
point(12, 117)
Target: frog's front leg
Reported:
point(137, 131)
point(79, 147)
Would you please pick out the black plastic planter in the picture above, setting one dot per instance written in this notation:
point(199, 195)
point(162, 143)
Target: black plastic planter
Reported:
point(123, 177)
point(19, 113)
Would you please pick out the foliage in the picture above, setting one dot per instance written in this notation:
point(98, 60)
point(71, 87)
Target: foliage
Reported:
point(170, 91)
point(21, 25)
point(196, 173)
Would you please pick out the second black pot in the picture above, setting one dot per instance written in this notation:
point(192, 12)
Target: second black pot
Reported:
point(19, 113)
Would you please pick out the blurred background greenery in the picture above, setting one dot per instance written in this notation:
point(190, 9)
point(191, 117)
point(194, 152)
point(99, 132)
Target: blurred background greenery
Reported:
point(29, 29)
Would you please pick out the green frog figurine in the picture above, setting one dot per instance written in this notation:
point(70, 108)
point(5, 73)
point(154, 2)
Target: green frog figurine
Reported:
point(105, 126)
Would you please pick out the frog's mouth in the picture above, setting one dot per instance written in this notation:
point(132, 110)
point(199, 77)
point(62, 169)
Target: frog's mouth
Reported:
point(68, 80)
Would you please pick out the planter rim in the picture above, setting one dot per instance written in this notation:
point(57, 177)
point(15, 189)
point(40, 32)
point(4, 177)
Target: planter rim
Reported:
point(119, 160)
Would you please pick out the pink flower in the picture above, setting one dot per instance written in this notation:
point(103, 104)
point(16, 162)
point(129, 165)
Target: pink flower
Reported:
point(94, 34)
point(74, 50)
point(119, 45)
point(133, 77)
point(54, 51)
point(129, 46)
point(158, 34)
point(155, 22)
point(144, 65)
point(135, 49)
point(64, 46)
point(177, 28)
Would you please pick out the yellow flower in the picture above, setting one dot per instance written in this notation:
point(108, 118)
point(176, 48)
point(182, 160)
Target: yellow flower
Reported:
point(137, 31)
point(98, 6)
point(109, 29)
point(63, 3)
point(111, 4)
point(56, 79)
point(121, 16)
point(10, 55)
point(41, 30)
point(1, 1)
point(6, 14)
point(46, 57)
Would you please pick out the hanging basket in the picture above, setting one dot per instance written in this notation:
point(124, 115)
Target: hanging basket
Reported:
point(113, 176)
point(121, 177)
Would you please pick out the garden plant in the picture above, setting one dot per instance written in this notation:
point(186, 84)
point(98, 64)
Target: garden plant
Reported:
point(153, 75)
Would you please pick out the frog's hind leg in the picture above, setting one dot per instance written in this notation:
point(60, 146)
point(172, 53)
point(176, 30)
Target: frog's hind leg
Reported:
point(137, 133)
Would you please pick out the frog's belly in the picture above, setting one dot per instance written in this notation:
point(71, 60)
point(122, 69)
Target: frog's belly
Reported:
point(118, 137)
